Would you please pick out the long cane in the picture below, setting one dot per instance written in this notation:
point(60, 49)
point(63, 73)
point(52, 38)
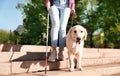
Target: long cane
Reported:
point(46, 58)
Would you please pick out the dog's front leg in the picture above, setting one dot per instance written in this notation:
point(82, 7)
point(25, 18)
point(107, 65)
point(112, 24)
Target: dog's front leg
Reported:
point(79, 62)
point(71, 60)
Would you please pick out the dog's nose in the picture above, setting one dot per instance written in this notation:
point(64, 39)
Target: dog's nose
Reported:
point(78, 39)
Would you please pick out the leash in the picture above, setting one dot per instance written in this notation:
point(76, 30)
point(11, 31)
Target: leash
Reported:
point(46, 57)
point(74, 16)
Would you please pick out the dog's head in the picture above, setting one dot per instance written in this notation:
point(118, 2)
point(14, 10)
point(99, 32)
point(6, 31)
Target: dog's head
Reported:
point(78, 33)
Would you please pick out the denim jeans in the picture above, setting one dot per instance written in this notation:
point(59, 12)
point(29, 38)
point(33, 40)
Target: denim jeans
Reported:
point(59, 19)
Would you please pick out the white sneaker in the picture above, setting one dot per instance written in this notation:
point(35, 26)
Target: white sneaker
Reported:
point(53, 56)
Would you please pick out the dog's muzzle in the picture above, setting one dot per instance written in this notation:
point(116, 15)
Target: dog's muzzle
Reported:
point(78, 40)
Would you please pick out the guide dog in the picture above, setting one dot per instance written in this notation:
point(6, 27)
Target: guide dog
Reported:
point(75, 44)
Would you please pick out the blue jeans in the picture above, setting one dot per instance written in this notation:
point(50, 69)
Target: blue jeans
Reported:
point(59, 19)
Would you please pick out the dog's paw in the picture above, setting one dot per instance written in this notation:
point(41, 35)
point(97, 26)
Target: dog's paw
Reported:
point(71, 70)
point(81, 69)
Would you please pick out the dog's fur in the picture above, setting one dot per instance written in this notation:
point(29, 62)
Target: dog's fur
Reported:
point(75, 44)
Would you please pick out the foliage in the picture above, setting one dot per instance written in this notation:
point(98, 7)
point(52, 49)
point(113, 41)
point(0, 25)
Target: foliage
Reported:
point(3, 36)
point(108, 17)
point(92, 14)
point(100, 14)
point(35, 23)
point(7, 37)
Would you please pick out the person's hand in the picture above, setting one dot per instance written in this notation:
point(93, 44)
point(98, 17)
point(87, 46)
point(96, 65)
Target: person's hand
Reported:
point(74, 15)
point(48, 6)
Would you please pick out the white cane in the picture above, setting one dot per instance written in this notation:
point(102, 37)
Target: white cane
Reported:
point(46, 58)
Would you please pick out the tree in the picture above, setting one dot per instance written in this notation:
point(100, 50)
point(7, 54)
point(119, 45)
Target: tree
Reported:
point(35, 22)
point(7, 37)
point(4, 35)
point(99, 14)
point(108, 17)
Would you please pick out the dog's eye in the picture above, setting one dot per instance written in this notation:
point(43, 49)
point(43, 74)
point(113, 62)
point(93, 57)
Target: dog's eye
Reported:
point(81, 31)
point(75, 31)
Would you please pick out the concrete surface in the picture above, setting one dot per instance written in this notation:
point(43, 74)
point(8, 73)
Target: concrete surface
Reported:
point(104, 70)
point(17, 59)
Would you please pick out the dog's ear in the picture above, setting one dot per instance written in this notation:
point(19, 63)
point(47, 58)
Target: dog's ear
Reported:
point(85, 38)
point(69, 32)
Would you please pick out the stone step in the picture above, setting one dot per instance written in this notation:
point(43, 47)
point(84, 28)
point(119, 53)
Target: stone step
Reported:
point(30, 66)
point(21, 56)
point(27, 56)
point(22, 48)
point(102, 70)
point(41, 48)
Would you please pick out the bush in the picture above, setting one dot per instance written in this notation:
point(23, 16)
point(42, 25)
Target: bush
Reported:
point(4, 36)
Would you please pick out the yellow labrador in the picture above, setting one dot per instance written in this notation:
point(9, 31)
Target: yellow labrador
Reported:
point(75, 44)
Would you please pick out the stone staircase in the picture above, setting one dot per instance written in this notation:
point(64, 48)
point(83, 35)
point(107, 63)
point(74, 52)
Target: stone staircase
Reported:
point(16, 59)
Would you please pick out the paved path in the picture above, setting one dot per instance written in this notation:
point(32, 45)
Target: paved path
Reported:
point(66, 73)
point(104, 70)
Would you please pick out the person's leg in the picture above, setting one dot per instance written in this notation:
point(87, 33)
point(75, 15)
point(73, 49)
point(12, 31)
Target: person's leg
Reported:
point(54, 15)
point(64, 16)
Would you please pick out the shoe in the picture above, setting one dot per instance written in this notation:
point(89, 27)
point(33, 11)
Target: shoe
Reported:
point(53, 56)
point(60, 56)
